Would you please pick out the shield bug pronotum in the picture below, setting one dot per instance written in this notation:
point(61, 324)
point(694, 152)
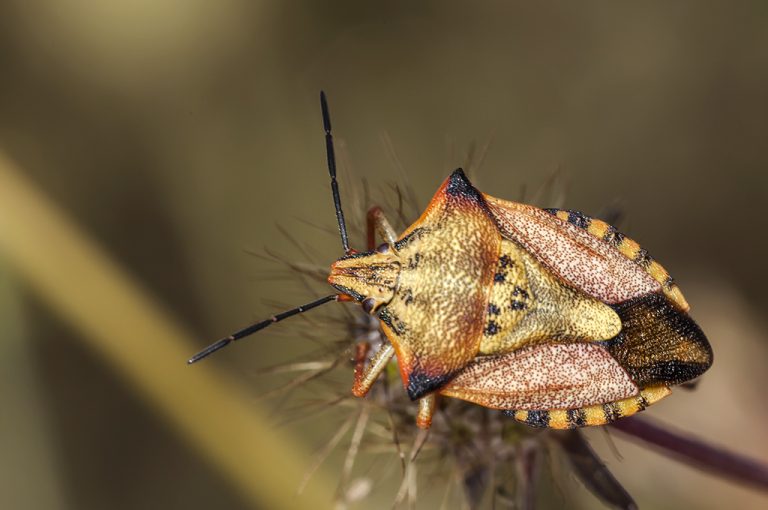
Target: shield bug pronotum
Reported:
point(554, 317)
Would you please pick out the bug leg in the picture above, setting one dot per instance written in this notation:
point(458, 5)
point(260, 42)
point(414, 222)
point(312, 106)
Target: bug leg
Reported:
point(377, 222)
point(426, 411)
point(361, 353)
point(365, 377)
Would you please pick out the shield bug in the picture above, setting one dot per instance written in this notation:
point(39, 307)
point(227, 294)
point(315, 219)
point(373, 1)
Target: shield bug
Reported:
point(554, 317)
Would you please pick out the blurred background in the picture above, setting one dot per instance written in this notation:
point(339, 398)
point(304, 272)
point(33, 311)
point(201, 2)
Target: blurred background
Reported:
point(148, 147)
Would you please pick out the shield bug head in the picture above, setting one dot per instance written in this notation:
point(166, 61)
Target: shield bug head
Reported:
point(370, 277)
point(550, 315)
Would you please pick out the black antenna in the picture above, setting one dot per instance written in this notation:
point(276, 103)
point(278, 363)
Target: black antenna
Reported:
point(253, 328)
point(332, 170)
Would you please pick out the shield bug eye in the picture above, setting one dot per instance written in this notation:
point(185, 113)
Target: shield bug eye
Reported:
point(369, 304)
point(382, 248)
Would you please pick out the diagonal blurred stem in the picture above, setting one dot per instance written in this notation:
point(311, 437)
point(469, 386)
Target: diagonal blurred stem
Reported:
point(695, 452)
point(592, 472)
point(528, 464)
point(140, 341)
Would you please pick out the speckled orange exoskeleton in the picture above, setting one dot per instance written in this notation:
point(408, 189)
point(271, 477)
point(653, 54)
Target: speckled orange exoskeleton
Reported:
point(554, 317)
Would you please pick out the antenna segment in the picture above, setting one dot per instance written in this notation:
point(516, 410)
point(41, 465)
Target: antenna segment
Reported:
point(253, 328)
point(332, 171)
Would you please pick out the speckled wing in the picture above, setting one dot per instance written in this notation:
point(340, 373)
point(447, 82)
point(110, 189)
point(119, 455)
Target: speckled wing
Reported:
point(547, 376)
point(588, 264)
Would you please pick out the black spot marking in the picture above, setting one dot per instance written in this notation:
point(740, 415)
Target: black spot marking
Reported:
point(521, 292)
point(669, 282)
point(374, 270)
point(491, 329)
point(390, 319)
point(613, 236)
point(505, 261)
point(642, 258)
point(413, 262)
point(420, 384)
point(493, 309)
point(397, 326)
point(517, 305)
point(553, 211)
point(578, 219)
point(576, 418)
point(417, 233)
point(611, 412)
point(538, 419)
point(642, 403)
point(499, 278)
point(408, 296)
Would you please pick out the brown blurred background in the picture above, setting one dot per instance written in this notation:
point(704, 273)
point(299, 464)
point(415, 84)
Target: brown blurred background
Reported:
point(178, 134)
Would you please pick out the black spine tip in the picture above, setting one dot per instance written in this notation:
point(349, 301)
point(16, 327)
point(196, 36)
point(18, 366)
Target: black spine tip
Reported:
point(459, 186)
point(458, 182)
point(459, 173)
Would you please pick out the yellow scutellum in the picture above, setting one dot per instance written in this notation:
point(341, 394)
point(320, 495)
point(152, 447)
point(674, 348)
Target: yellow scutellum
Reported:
point(140, 341)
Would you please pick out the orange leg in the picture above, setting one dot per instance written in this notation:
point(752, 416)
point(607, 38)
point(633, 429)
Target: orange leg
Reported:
point(364, 378)
point(361, 353)
point(377, 222)
point(426, 411)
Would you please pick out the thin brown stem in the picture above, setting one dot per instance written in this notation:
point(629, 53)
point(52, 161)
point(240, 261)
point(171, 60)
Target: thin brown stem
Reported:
point(695, 452)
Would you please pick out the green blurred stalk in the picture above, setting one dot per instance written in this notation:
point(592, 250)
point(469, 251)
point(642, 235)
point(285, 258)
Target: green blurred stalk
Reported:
point(140, 341)
point(28, 476)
